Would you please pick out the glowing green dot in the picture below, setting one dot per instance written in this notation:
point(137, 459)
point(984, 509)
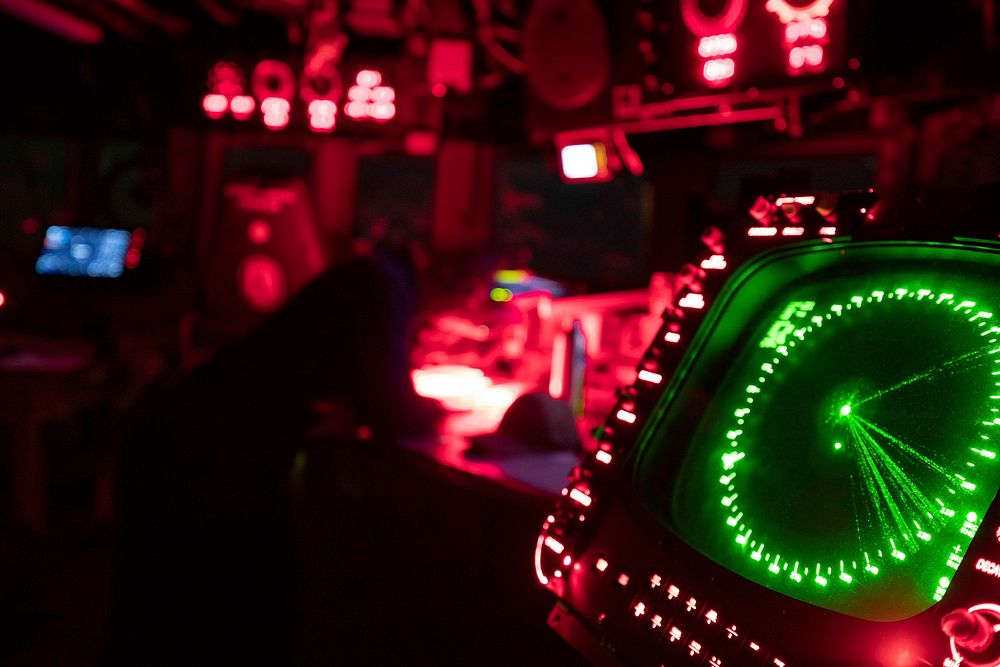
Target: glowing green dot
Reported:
point(838, 445)
point(845, 410)
point(501, 294)
point(944, 582)
point(972, 516)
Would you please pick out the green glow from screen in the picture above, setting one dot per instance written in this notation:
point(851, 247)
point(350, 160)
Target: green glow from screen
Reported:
point(850, 447)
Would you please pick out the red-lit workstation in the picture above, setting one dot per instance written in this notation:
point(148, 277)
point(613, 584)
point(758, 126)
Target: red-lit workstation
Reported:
point(495, 332)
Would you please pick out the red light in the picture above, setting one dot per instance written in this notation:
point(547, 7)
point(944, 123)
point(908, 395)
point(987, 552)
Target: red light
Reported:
point(801, 57)
point(275, 111)
point(259, 232)
point(215, 105)
point(601, 565)
point(568, 560)
point(3, 299)
point(639, 609)
point(807, 200)
point(672, 337)
point(719, 70)
point(626, 416)
point(132, 258)
point(580, 497)
point(554, 544)
point(358, 94)
point(242, 107)
point(603, 457)
point(383, 94)
point(787, 12)
point(828, 231)
point(356, 109)
point(692, 300)
point(439, 90)
point(369, 78)
point(717, 45)
point(653, 378)
point(262, 280)
point(538, 561)
point(582, 162)
point(793, 231)
point(623, 579)
point(714, 263)
point(382, 110)
point(322, 115)
point(812, 29)
point(762, 231)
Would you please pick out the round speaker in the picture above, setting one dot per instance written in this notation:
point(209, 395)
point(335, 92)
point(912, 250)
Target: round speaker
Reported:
point(566, 52)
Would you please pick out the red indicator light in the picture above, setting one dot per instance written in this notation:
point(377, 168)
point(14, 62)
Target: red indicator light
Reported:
point(714, 263)
point(691, 604)
point(554, 544)
point(655, 581)
point(754, 646)
point(322, 115)
point(383, 94)
point(356, 109)
point(242, 107)
point(215, 105)
point(778, 662)
point(626, 416)
point(672, 337)
point(3, 299)
point(793, 231)
point(132, 258)
point(694, 648)
point(732, 632)
point(812, 29)
point(583, 161)
point(714, 46)
point(675, 634)
point(639, 609)
point(656, 621)
point(711, 617)
point(653, 378)
point(262, 282)
point(369, 78)
point(692, 300)
point(719, 70)
point(439, 90)
point(802, 57)
point(568, 560)
point(673, 592)
point(259, 232)
point(601, 565)
point(580, 497)
point(382, 110)
point(828, 231)
point(358, 94)
point(603, 457)
point(275, 111)
point(623, 579)
point(762, 231)
point(807, 200)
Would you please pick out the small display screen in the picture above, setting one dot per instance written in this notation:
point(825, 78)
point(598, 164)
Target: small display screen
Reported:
point(83, 251)
point(837, 437)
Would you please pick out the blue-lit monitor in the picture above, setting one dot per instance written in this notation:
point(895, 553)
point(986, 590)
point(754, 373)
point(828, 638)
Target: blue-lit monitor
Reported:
point(83, 252)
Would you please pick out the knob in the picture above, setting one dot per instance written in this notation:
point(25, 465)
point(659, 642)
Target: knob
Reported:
point(971, 630)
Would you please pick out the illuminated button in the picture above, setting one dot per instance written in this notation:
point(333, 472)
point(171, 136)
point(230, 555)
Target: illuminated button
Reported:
point(711, 617)
point(673, 592)
point(691, 604)
point(639, 609)
point(778, 662)
point(715, 661)
point(733, 634)
point(672, 337)
point(603, 456)
point(755, 649)
point(601, 565)
point(694, 648)
point(656, 621)
point(623, 579)
point(675, 634)
point(655, 581)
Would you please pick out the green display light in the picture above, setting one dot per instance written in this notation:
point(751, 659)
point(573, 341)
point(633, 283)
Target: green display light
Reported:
point(851, 436)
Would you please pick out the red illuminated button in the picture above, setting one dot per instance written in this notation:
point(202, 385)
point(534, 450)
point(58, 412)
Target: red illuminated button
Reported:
point(262, 282)
point(711, 617)
point(639, 609)
point(601, 565)
point(673, 592)
point(675, 634)
point(655, 581)
point(623, 579)
point(656, 622)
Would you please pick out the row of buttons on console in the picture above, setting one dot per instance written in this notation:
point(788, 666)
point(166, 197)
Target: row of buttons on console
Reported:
point(687, 623)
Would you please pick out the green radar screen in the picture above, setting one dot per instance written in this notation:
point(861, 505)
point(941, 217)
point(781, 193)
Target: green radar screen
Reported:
point(852, 445)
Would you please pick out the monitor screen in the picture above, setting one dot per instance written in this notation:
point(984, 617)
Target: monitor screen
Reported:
point(834, 436)
point(83, 251)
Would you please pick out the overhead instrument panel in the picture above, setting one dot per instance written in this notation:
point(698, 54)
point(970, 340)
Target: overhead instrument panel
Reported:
point(663, 52)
